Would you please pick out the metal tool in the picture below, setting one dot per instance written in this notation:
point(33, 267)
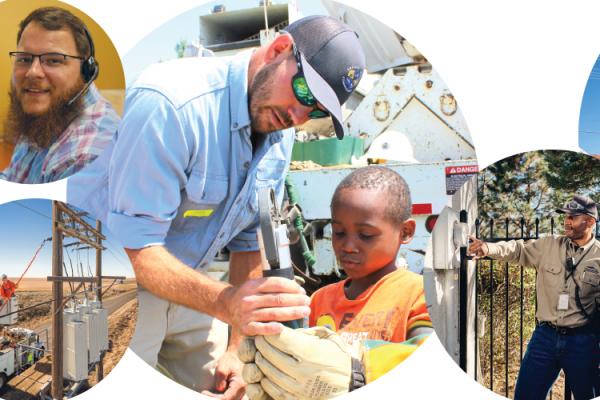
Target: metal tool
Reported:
point(276, 243)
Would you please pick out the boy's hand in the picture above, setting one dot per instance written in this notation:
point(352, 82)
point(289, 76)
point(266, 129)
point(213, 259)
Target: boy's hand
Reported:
point(311, 363)
point(477, 248)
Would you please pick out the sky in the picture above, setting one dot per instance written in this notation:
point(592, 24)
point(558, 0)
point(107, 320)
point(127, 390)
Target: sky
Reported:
point(159, 45)
point(26, 223)
point(589, 118)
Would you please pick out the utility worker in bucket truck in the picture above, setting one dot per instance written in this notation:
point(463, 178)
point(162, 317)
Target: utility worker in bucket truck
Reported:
point(568, 299)
point(7, 290)
point(364, 325)
point(199, 136)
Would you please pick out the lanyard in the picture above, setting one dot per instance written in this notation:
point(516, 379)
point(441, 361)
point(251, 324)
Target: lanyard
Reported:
point(577, 297)
point(572, 271)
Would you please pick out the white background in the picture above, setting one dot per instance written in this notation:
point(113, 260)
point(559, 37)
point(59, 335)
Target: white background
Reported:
point(518, 71)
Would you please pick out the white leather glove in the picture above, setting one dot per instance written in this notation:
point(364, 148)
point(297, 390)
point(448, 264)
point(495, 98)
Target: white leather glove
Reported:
point(311, 363)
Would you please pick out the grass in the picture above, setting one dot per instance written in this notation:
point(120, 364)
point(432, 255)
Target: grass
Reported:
point(500, 342)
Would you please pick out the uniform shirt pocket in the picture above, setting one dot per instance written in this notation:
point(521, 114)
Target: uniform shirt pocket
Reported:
point(590, 282)
point(200, 200)
point(552, 275)
point(269, 171)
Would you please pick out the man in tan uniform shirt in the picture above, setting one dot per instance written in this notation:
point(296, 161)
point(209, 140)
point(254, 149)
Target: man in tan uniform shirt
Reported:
point(568, 298)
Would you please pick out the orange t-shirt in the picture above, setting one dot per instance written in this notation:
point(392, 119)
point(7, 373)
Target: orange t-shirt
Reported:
point(7, 289)
point(388, 310)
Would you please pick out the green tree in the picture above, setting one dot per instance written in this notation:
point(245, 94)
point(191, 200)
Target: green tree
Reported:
point(572, 172)
point(531, 186)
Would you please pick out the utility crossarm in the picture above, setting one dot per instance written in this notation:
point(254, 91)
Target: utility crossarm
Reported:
point(86, 247)
point(81, 248)
point(73, 233)
point(77, 218)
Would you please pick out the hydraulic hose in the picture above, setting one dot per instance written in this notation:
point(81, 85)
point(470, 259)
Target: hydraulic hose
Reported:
point(308, 256)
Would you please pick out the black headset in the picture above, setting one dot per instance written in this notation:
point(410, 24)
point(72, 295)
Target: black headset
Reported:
point(89, 66)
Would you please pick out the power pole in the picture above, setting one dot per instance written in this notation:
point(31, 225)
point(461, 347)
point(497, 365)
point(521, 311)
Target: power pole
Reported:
point(100, 366)
point(57, 295)
point(67, 222)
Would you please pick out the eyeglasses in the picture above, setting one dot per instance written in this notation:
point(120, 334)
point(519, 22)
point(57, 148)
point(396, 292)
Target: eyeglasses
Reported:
point(24, 60)
point(303, 93)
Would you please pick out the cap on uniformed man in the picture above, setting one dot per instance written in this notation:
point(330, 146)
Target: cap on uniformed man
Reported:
point(332, 61)
point(578, 205)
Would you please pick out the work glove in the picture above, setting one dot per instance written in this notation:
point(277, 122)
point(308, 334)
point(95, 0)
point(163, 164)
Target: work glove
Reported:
point(311, 363)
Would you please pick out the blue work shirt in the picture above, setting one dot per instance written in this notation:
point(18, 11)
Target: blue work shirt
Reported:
point(181, 171)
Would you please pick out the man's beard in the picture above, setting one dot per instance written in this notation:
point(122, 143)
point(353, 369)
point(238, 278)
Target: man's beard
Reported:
point(261, 88)
point(42, 130)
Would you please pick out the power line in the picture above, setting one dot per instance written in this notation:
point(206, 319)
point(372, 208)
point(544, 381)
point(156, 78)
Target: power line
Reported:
point(120, 260)
point(126, 265)
point(33, 210)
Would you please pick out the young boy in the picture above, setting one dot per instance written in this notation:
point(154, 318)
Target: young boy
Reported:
point(379, 311)
point(371, 211)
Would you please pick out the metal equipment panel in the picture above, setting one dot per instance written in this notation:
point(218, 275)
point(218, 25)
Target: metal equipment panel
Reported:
point(7, 318)
point(92, 336)
point(75, 352)
point(102, 328)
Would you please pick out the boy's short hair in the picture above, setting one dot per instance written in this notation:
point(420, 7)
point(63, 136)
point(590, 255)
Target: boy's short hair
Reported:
point(398, 207)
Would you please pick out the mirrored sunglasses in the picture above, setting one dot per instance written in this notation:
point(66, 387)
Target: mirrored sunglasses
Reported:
point(303, 93)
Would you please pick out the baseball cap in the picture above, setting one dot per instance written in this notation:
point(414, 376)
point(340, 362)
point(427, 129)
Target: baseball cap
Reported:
point(580, 205)
point(332, 61)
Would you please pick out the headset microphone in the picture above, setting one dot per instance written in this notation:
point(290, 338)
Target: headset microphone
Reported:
point(84, 89)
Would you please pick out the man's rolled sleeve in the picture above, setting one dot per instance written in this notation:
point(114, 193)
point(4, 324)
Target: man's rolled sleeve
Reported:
point(148, 170)
point(136, 232)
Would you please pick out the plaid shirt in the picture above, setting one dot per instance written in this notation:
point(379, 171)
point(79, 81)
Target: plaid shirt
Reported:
point(83, 140)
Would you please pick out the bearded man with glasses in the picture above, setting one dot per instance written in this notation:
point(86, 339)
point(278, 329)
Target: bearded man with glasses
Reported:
point(198, 138)
point(57, 119)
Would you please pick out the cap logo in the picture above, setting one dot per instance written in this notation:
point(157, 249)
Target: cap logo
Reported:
point(351, 78)
point(575, 206)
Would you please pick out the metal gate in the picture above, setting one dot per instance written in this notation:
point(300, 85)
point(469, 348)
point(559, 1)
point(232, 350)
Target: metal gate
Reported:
point(505, 308)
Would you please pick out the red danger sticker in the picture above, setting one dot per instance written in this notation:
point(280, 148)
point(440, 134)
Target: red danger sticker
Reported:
point(462, 169)
point(456, 176)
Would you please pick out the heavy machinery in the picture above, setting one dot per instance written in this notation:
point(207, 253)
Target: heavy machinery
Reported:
point(20, 348)
point(401, 115)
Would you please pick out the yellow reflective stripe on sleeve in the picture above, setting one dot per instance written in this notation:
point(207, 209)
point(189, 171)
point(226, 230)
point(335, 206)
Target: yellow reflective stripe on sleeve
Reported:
point(197, 213)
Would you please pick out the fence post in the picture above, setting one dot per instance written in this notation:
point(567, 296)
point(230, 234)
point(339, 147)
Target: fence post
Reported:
point(506, 311)
point(463, 277)
point(476, 346)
